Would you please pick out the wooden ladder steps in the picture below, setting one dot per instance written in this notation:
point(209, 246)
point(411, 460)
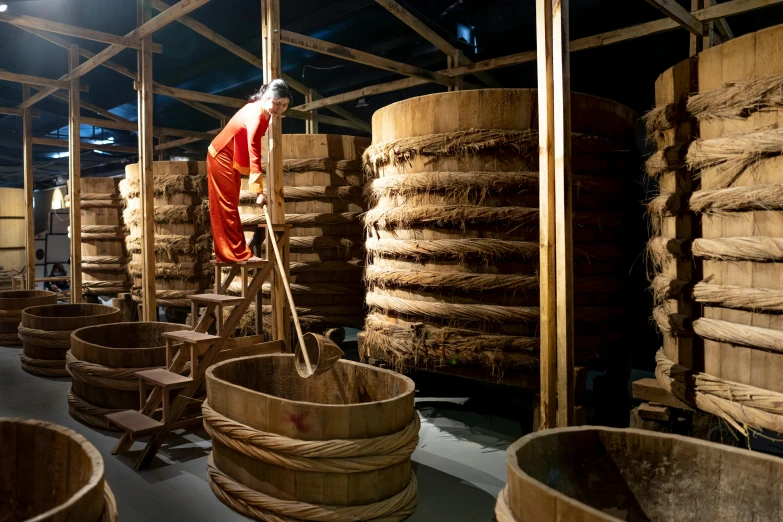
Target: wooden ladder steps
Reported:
point(219, 299)
point(164, 378)
point(192, 337)
point(135, 422)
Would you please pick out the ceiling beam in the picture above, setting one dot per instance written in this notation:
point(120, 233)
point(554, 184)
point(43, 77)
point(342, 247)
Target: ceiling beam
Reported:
point(734, 7)
point(434, 38)
point(70, 30)
point(181, 8)
point(679, 14)
point(134, 127)
point(51, 142)
point(34, 80)
point(12, 111)
point(353, 55)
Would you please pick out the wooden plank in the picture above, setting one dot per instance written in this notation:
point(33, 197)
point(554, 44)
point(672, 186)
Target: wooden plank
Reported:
point(732, 8)
point(654, 412)
point(678, 13)
point(34, 80)
point(146, 152)
point(179, 9)
point(649, 390)
point(27, 160)
point(546, 198)
point(346, 53)
point(53, 142)
point(70, 30)
point(184, 94)
point(180, 142)
point(133, 127)
point(74, 177)
point(696, 42)
point(561, 73)
point(13, 111)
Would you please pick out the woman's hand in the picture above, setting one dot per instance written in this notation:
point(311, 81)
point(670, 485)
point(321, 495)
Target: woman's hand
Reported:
point(261, 200)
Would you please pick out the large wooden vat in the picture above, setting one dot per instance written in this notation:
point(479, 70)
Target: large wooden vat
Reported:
point(104, 255)
point(594, 474)
point(51, 473)
point(719, 219)
point(323, 200)
point(103, 361)
point(12, 240)
point(452, 232)
point(182, 232)
point(46, 333)
point(340, 441)
point(12, 302)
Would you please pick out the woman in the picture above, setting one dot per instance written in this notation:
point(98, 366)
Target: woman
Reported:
point(236, 151)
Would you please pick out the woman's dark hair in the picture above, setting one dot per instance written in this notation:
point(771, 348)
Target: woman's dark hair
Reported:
point(274, 89)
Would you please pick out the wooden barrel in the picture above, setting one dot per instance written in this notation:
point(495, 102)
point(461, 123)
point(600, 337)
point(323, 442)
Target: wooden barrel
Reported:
point(12, 240)
point(719, 230)
point(103, 361)
point(452, 232)
point(340, 441)
point(104, 255)
point(323, 201)
point(12, 302)
point(596, 474)
point(46, 333)
point(51, 473)
point(182, 232)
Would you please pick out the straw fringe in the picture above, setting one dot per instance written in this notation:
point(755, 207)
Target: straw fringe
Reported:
point(247, 197)
point(737, 100)
point(737, 199)
point(170, 244)
point(169, 214)
point(181, 270)
point(328, 218)
point(665, 287)
point(165, 184)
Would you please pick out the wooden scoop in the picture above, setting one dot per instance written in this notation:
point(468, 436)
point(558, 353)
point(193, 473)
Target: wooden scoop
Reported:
point(311, 346)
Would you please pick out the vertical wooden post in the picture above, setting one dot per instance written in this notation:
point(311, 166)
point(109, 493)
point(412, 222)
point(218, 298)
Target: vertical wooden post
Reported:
point(27, 154)
point(163, 155)
point(561, 68)
point(280, 312)
point(546, 204)
point(709, 39)
point(311, 125)
point(696, 42)
point(74, 176)
point(146, 154)
point(455, 61)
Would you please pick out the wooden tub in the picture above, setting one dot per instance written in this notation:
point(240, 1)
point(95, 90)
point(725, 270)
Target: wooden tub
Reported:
point(51, 474)
point(46, 333)
point(12, 302)
point(340, 441)
point(592, 474)
point(103, 361)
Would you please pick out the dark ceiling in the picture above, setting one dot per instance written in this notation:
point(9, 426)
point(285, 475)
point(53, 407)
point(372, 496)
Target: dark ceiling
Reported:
point(625, 72)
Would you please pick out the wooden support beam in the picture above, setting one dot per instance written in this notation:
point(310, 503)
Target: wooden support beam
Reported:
point(311, 127)
point(146, 156)
point(133, 127)
point(181, 8)
point(74, 177)
point(13, 111)
point(27, 160)
point(34, 80)
point(561, 72)
point(546, 216)
point(184, 94)
point(53, 142)
point(679, 14)
point(281, 328)
point(184, 141)
point(696, 42)
point(353, 55)
point(70, 30)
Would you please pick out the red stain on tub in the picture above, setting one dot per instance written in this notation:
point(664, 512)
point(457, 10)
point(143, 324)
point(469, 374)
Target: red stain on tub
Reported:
point(298, 420)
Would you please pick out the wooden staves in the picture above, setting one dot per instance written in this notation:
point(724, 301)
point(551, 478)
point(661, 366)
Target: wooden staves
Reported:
point(103, 362)
point(12, 302)
point(693, 480)
point(46, 333)
point(50, 472)
point(452, 233)
point(340, 441)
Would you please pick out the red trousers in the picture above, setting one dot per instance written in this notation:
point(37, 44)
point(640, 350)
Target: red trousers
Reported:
point(224, 186)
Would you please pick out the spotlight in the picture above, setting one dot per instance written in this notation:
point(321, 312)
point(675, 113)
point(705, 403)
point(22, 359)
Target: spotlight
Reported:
point(3, 8)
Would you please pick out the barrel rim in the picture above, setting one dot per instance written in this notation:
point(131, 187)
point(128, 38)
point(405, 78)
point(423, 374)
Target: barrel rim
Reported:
point(97, 477)
point(522, 476)
point(410, 385)
point(32, 310)
point(76, 338)
point(24, 294)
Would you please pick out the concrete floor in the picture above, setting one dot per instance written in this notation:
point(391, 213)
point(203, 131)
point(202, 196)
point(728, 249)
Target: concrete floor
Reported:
point(460, 460)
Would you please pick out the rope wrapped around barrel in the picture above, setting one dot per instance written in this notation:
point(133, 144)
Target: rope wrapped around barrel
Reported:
point(259, 506)
point(50, 339)
point(44, 367)
point(503, 511)
point(92, 415)
point(318, 456)
point(124, 379)
point(109, 505)
point(103, 232)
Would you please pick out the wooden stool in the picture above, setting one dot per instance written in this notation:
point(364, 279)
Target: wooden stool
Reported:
point(163, 379)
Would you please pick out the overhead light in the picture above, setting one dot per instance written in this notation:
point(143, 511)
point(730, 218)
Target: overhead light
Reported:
point(362, 103)
point(3, 8)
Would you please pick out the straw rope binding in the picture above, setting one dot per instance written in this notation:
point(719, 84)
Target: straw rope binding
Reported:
point(93, 415)
point(52, 339)
point(754, 248)
point(737, 100)
point(43, 367)
point(737, 199)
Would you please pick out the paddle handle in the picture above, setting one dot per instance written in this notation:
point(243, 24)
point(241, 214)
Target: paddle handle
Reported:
point(287, 286)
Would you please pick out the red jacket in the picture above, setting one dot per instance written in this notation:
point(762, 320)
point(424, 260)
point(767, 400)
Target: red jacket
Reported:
point(243, 134)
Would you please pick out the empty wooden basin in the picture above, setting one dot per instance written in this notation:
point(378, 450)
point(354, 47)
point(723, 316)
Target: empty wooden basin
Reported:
point(103, 362)
point(12, 302)
point(340, 441)
point(46, 333)
point(593, 474)
point(51, 474)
